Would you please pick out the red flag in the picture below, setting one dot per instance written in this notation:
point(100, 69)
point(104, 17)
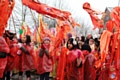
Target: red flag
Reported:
point(118, 53)
point(114, 41)
point(61, 64)
point(115, 16)
point(47, 10)
point(35, 34)
point(25, 30)
point(6, 8)
point(109, 25)
point(95, 20)
point(28, 31)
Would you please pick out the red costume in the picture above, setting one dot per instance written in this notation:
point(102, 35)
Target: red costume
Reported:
point(89, 70)
point(67, 66)
point(25, 61)
point(3, 61)
point(44, 63)
point(12, 55)
point(72, 70)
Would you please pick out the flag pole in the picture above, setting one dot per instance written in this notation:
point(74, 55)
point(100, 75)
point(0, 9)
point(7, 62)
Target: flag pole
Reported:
point(35, 22)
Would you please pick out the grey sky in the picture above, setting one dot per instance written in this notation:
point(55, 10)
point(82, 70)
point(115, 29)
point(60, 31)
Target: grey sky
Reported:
point(73, 6)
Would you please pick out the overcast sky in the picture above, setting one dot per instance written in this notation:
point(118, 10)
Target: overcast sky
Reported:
point(99, 4)
point(74, 6)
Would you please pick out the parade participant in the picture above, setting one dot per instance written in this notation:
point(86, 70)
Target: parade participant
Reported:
point(11, 57)
point(92, 44)
point(80, 43)
point(11, 41)
point(89, 70)
point(25, 61)
point(77, 39)
point(73, 61)
point(89, 36)
point(44, 60)
point(96, 54)
point(4, 50)
point(36, 45)
point(82, 38)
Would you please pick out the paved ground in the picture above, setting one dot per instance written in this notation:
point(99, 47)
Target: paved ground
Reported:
point(33, 77)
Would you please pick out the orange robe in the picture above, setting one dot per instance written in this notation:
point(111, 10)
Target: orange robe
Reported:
point(3, 61)
point(12, 55)
point(25, 62)
point(89, 70)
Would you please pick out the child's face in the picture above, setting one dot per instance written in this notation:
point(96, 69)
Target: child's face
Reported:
point(91, 42)
point(70, 46)
point(96, 47)
point(77, 39)
point(24, 39)
point(46, 42)
point(89, 36)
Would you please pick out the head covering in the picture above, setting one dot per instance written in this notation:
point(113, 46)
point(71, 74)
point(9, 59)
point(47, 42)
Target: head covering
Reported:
point(73, 42)
point(28, 41)
point(46, 38)
point(82, 38)
point(69, 35)
point(86, 47)
point(97, 42)
point(9, 34)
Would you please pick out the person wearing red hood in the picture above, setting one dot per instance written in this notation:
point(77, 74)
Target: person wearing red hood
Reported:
point(89, 70)
point(11, 57)
point(25, 57)
point(70, 62)
point(44, 60)
point(4, 50)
